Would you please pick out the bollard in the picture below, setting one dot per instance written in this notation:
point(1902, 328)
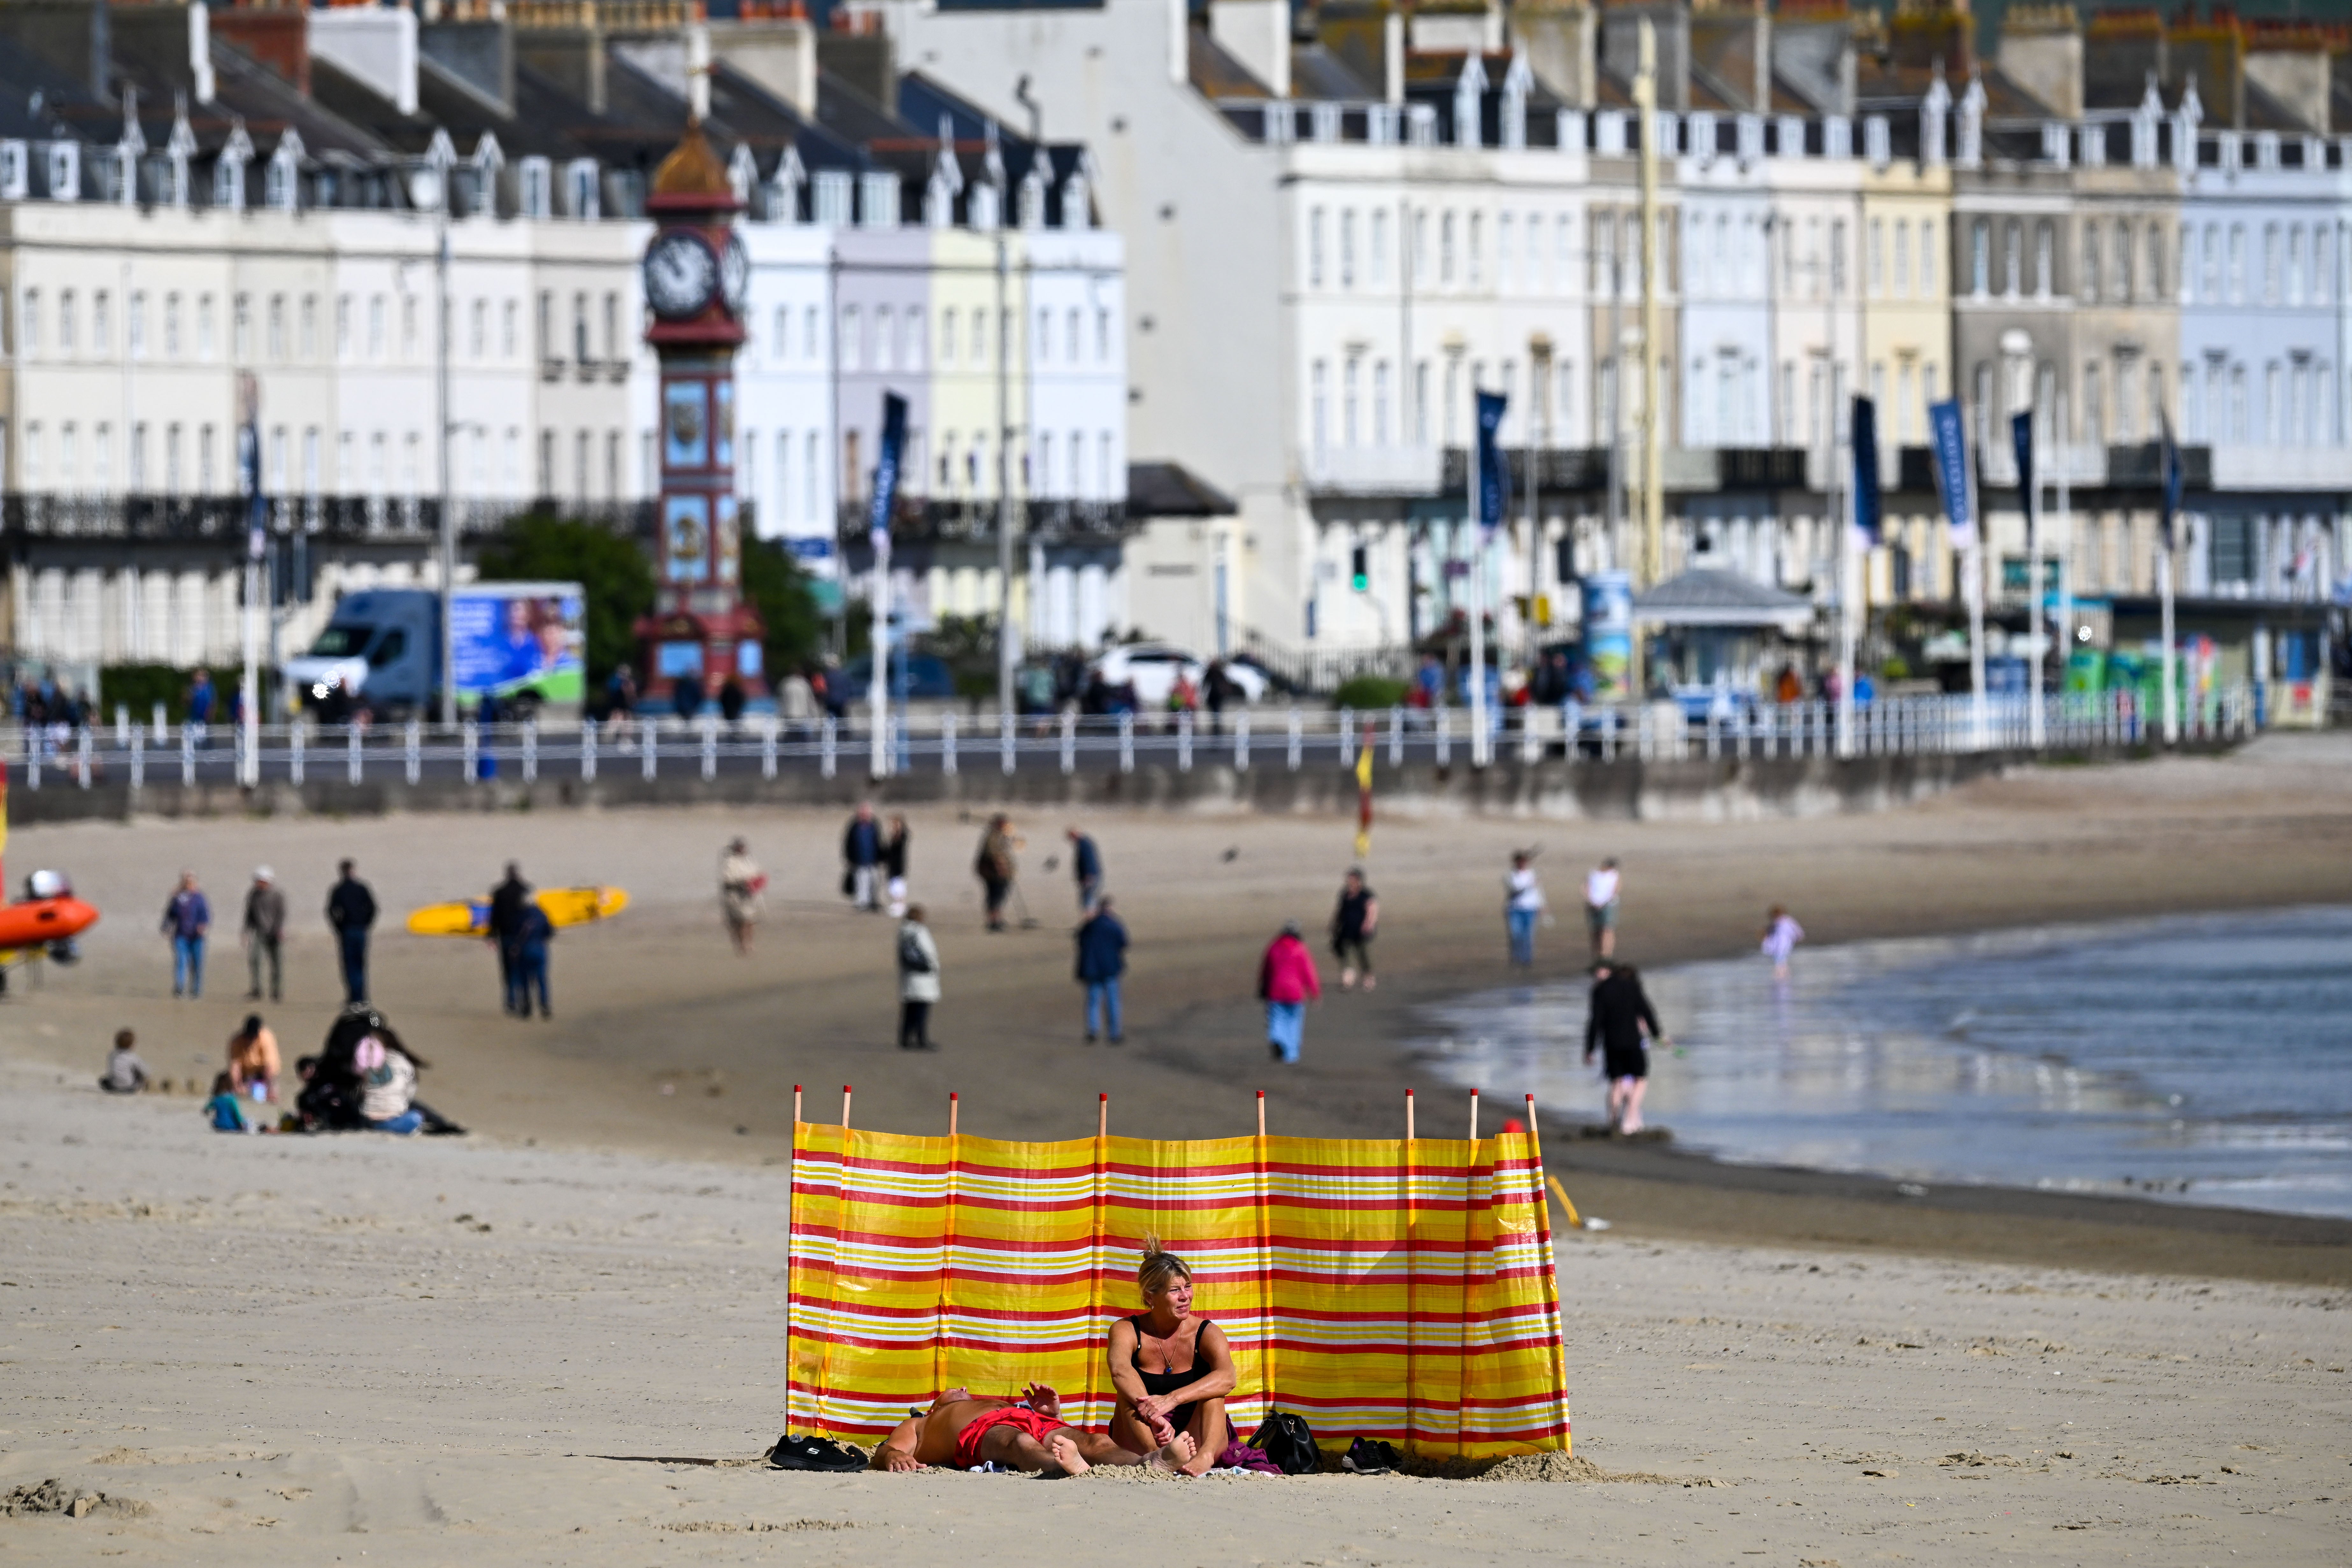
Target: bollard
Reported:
point(587, 748)
point(81, 757)
point(1183, 742)
point(162, 730)
point(1069, 743)
point(1297, 742)
point(1396, 736)
point(1241, 742)
point(293, 755)
point(122, 723)
point(353, 750)
point(1444, 737)
point(187, 760)
point(946, 746)
point(1347, 738)
point(829, 744)
point(412, 750)
point(1127, 742)
point(768, 748)
point(1005, 740)
point(138, 760)
point(710, 748)
point(649, 750)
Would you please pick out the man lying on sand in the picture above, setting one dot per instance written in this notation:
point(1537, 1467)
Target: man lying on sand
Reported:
point(1024, 1434)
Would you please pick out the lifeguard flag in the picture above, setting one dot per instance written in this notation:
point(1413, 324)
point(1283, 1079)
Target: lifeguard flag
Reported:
point(886, 470)
point(1364, 795)
point(1494, 473)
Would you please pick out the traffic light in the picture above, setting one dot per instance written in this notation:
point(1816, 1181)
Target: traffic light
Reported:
point(1359, 569)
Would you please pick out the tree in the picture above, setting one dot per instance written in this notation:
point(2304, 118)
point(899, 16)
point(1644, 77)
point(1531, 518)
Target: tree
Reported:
point(612, 567)
point(775, 584)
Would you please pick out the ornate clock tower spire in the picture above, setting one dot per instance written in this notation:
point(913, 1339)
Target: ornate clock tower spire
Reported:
point(700, 633)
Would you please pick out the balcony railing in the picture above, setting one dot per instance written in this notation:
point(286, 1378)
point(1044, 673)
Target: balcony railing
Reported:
point(920, 519)
point(1372, 471)
point(2238, 468)
point(223, 520)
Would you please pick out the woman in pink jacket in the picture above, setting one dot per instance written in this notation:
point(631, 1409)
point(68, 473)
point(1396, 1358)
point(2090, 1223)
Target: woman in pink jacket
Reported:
point(1286, 982)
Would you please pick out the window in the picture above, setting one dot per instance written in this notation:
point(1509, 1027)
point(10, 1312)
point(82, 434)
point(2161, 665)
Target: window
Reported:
point(1902, 257)
point(2123, 263)
point(1314, 248)
point(2237, 283)
point(2155, 261)
point(546, 340)
point(917, 339)
point(1420, 403)
point(309, 326)
point(241, 331)
point(1928, 259)
point(29, 331)
point(171, 326)
point(477, 330)
point(2294, 265)
point(134, 324)
point(1380, 404)
point(579, 347)
point(1347, 248)
point(1505, 233)
point(1347, 401)
point(1318, 412)
point(1045, 336)
point(2212, 284)
point(2271, 267)
point(2094, 412)
point(2087, 283)
point(277, 331)
point(507, 313)
point(947, 334)
point(1445, 251)
point(1980, 257)
point(408, 326)
point(2238, 422)
point(1875, 273)
point(1377, 250)
point(1837, 258)
point(1102, 336)
point(853, 333)
point(885, 338)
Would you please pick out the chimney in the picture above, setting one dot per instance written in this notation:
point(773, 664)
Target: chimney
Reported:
point(376, 45)
point(1813, 52)
point(1562, 40)
point(1368, 37)
point(1257, 33)
point(1456, 27)
point(2289, 61)
point(478, 52)
point(564, 43)
point(2213, 55)
point(1621, 30)
point(777, 50)
point(858, 51)
point(279, 39)
point(2121, 49)
point(2040, 50)
point(1731, 41)
point(1925, 31)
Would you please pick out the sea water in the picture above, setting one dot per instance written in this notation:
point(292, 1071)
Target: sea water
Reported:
point(2204, 1059)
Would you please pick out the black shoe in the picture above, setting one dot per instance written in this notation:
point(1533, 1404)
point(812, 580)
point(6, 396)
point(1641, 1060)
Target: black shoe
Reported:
point(815, 1453)
point(1119, 1039)
point(1366, 1457)
point(1090, 1038)
point(1274, 1050)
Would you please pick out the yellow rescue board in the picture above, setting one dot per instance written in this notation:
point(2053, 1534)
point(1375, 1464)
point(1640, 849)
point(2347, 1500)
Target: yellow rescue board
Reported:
point(564, 907)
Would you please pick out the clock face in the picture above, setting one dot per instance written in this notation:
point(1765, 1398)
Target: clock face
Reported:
point(735, 275)
point(681, 274)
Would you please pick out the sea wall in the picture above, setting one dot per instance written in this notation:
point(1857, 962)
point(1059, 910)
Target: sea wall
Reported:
point(1689, 789)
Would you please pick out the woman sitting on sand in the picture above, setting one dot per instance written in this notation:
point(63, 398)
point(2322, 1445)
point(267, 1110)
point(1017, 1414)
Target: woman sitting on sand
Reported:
point(1170, 1368)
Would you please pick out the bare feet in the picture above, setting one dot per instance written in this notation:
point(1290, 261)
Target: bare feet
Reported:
point(1370, 984)
point(1066, 1455)
point(1173, 1456)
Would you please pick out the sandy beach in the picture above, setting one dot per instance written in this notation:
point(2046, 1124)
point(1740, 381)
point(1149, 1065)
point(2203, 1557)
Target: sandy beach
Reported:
point(286, 1345)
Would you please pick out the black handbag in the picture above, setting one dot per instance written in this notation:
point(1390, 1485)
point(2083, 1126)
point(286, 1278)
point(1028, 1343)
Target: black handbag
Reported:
point(1289, 1442)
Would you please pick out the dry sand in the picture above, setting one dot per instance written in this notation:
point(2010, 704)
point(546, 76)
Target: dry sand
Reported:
point(283, 1347)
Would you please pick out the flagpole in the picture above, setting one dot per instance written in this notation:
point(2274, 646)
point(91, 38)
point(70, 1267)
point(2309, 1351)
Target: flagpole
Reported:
point(2032, 482)
point(1480, 755)
point(2164, 598)
point(878, 686)
point(2065, 551)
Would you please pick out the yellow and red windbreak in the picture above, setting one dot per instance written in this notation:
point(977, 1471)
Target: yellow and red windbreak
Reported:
point(1403, 1291)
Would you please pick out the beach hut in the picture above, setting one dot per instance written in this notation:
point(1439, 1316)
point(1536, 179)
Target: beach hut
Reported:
point(1714, 636)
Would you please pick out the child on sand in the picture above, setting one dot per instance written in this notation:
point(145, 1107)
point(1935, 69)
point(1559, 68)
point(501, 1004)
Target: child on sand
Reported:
point(125, 1073)
point(225, 1108)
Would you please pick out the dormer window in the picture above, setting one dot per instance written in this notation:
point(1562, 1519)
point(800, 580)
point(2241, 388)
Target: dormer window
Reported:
point(64, 171)
point(1076, 213)
point(229, 184)
point(535, 193)
point(833, 197)
point(281, 188)
point(877, 199)
point(1033, 201)
point(15, 172)
point(580, 194)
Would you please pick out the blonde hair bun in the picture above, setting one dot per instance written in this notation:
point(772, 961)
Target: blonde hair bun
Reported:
point(1160, 1267)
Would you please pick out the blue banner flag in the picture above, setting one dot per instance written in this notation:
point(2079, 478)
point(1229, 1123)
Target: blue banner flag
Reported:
point(885, 469)
point(1950, 444)
point(1866, 470)
point(1493, 472)
point(2021, 438)
point(2170, 510)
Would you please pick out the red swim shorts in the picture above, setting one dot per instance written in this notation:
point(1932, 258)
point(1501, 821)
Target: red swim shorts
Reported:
point(967, 1452)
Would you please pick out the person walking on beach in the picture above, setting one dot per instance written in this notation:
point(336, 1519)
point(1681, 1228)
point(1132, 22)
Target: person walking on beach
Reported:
point(1286, 982)
point(896, 844)
point(918, 981)
point(1085, 869)
point(1523, 905)
point(1601, 906)
point(351, 910)
point(740, 883)
point(996, 864)
point(1616, 1027)
point(861, 854)
point(187, 917)
point(265, 928)
point(507, 901)
point(1781, 935)
point(1353, 923)
point(533, 932)
point(1102, 959)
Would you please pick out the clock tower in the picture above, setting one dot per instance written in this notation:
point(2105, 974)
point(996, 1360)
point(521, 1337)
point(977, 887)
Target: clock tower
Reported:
point(701, 633)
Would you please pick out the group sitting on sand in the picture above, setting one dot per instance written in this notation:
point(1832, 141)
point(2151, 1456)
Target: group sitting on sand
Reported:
point(1169, 1417)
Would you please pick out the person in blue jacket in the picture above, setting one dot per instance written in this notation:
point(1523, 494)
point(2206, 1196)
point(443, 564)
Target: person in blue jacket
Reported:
point(1102, 959)
point(1085, 867)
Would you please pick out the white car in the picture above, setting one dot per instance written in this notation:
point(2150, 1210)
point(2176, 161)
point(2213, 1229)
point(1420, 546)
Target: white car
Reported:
point(1151, 668)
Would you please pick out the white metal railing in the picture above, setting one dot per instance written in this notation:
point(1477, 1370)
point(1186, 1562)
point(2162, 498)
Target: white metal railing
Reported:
point(146, 755)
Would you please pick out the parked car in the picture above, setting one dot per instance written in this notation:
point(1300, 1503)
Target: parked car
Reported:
point(927, 680)
point(1151, 668)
